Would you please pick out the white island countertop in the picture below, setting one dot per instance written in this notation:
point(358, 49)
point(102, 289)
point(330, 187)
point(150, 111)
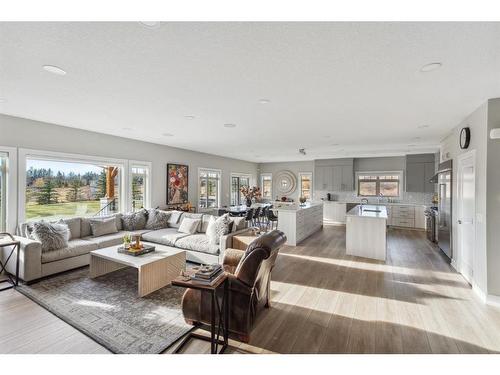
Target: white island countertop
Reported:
point(298, 207)
point(368, 210)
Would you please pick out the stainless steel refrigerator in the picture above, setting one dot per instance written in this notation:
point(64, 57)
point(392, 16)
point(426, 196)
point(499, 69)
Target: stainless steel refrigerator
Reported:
point(444, 178)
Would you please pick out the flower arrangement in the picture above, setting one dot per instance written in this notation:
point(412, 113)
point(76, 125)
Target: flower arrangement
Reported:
point(251, 193)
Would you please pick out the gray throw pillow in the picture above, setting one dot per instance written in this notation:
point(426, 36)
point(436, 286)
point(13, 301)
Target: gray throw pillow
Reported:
point(134, 220)
point(52, 236)
point(157, 219)
point(100, 227)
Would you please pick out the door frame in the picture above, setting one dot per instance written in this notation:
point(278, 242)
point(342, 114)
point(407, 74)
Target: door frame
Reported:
point(459, 261)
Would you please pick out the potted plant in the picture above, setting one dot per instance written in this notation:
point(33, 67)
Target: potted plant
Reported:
point(250, 194)
point(127, 239)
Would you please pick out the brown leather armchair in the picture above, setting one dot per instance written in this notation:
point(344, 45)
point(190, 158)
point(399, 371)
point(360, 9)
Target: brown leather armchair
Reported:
point(249, 274)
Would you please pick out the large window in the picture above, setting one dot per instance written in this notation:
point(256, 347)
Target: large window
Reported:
point(209, 188)
point(306, 185)
point(237, 182)
point(266, 184)
point(139, 186)
point(65, 188)
point(3, 191)
point(385, 184)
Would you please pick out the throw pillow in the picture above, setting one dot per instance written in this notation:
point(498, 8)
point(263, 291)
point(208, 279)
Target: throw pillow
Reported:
point(134, 220)
point(189, 226)
point(218, 228)
point(73, 225)
point(52, 236)
point(238, 223)
point(100, 227)
point(157, 219)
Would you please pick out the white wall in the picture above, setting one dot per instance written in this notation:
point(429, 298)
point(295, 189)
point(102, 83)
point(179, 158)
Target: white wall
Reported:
point(24, 133)
point(294, 167)
point(450, 149)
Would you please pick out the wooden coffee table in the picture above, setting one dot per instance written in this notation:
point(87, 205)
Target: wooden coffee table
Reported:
point(154, 270)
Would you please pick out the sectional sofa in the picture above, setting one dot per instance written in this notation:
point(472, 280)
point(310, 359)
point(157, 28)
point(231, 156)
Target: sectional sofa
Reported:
point(35, 264)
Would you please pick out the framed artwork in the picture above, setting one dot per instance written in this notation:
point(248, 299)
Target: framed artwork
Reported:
point(177, 183)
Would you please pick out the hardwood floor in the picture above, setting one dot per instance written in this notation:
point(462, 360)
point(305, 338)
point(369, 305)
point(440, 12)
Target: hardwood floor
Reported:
point(323, 301)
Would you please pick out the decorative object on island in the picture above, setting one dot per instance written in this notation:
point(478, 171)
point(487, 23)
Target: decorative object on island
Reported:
point(287, 182)
point(302, 200)
point(250, 194)
point(177, 184)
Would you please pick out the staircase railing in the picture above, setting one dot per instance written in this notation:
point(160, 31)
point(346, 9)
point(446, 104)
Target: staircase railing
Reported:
point(112, 202)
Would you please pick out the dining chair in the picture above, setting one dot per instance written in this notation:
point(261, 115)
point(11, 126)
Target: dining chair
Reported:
point(272, 218)
point(256, 217)
point(249, 217)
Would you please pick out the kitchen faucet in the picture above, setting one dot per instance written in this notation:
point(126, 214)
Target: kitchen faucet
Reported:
point(364, 201)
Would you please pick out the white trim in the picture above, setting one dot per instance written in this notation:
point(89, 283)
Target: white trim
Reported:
point(493, 300)
point(266, 174)
point(300, 174)
point(378, 173)
point(24, 153)
point(148, 188)
point(244, 175)
point(12, 194)
point(458, 258)
point(219, 187)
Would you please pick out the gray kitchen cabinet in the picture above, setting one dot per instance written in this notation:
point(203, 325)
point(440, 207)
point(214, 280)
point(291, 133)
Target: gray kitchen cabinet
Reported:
point(419, 170)
point(337, 178)
point(334, 174)
point(323, 178)
point(347, 178)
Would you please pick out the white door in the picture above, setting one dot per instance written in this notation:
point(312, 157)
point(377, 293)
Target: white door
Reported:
point(466, 209)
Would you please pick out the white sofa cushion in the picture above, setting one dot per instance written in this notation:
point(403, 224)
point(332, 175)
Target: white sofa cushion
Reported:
point(197, 242)
point(189, 226)
point(167, 236)
point(74, 248)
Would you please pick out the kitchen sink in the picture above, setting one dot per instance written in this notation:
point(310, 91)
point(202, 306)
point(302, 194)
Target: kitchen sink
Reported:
point(369, 210)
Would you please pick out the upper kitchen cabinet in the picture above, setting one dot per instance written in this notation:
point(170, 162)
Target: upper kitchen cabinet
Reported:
point(334, 174)
point(419, 170)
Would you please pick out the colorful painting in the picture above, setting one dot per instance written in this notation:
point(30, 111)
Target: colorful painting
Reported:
point(177, 183)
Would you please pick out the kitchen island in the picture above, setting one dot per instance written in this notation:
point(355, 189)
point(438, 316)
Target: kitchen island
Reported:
point(366, 231)
point(300, 221)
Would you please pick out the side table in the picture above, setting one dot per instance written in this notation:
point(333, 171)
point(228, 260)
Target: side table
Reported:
point(241, 241)
point(15, 245)
point(222, 311)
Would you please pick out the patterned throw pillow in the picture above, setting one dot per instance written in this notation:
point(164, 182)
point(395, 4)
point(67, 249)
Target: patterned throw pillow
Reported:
point(52, 236)
point(217, 228)
point(135, 220)
point(157, 219)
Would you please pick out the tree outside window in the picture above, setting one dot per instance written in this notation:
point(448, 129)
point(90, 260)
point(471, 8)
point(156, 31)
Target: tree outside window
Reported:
point(375, 184)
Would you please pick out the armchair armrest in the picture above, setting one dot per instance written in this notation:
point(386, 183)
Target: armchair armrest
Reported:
point(226, 241)
point(231, 259)
point(30, 259)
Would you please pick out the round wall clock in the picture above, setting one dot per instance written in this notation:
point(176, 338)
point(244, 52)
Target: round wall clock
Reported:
point(464, 138)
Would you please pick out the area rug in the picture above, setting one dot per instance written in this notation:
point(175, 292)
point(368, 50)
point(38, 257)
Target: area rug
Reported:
point(108, 310)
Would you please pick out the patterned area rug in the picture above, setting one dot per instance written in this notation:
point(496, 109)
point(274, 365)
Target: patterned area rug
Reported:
point(108, 310)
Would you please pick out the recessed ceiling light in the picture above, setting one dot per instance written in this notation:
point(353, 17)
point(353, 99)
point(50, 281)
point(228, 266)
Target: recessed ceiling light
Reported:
point(229, 125)
point(423, 126)
point(189, 117)
point(264, 101)
point(54, 69)
point(167, 134)
point(430, 67)
point(150, 24)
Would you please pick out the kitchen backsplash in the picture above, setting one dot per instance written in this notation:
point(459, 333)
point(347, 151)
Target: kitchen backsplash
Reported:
point(351, 196)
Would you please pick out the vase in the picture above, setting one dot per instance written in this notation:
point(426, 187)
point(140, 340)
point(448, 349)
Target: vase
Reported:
point(248, 202)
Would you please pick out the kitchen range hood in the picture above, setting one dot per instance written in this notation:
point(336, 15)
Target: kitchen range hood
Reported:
point(443, 167)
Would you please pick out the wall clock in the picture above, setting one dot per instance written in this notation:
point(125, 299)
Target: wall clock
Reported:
point(464, 138)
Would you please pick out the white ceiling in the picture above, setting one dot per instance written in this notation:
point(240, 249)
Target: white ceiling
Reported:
point(357, 85)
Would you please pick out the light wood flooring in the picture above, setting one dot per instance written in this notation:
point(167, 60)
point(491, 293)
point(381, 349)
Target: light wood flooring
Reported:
point(323, 301)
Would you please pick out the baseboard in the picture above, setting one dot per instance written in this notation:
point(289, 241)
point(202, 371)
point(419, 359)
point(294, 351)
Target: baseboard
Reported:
point(479, 292)
point(454, 264)
point(493, 300)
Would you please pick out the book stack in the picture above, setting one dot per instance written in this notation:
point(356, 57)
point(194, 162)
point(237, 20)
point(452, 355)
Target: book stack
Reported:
point(207, 274)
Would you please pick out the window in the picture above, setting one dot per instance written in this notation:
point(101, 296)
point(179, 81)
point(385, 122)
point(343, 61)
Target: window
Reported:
point(139, 185)
point(209, 188)
point(373, 184)
point(306, 185)
point(57, 188)
point(3, 191)
point(237, 182)
point(266, 184)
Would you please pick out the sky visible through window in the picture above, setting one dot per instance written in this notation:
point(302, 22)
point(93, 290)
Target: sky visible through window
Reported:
point(63, 167)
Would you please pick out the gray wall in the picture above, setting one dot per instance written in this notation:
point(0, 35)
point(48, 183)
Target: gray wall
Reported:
point(477, 121)
point(295, 167)
point(393, 163)
point(24, 133)
point(493, 200)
